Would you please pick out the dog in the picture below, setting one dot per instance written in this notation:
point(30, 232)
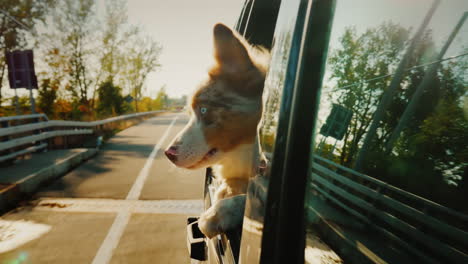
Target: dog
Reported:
point(225, 111)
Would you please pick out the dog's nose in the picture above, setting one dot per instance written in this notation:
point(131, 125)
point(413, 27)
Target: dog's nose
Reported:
point(171, 153)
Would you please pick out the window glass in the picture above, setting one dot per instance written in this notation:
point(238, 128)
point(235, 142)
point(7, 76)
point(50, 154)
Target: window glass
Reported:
point(392, 124)
point(283, 45)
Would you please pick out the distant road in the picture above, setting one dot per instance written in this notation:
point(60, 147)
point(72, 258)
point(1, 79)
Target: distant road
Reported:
point(127, 205)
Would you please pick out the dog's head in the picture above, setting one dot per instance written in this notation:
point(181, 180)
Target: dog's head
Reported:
point(226, 107)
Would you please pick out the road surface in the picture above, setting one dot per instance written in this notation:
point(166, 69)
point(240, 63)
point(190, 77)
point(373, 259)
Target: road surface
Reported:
point(126, 205)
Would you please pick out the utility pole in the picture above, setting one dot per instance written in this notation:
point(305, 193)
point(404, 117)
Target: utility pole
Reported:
point(17, 103)
point(427, 79)
point(390, 91)
point(29, 84)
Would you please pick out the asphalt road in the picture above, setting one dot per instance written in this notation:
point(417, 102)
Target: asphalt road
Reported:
point(126, 205)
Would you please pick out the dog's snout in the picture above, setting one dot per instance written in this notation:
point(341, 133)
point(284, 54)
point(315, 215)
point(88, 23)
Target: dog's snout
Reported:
point(171, 153)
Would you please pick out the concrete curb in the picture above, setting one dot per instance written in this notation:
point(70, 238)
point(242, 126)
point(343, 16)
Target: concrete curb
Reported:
point(13, 194)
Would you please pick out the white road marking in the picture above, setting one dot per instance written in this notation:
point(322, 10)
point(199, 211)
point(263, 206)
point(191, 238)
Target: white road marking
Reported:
point(106, 251)
point(16, 233)
point(86, 205)
point(135, 191)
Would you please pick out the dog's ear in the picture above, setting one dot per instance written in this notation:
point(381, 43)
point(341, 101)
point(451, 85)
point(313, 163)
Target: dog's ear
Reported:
point(230, 52)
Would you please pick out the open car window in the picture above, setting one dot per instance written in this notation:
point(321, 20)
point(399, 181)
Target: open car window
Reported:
point(263, 231)
point(256, 23)
point(273, 91)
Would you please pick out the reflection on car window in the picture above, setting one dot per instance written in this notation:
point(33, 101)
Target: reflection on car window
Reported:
point(419, 144)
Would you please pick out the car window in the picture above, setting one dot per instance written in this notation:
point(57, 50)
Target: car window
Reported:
point(283, 45)
point(390, 156)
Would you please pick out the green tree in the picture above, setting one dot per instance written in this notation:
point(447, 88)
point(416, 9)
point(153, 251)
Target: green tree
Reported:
point(47, 97)
point(372, 54)
point(161, 99)
point(74, 21)
point(441, 132)
point(56, 63)
point(142, 59)
point(147, 104)
point(111, 102)
point(113, 38)
point(18, 19)
point(430, 156)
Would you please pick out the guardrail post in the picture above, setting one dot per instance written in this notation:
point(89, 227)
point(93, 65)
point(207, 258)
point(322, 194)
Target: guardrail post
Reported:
point(4, 124)
point(37, 131)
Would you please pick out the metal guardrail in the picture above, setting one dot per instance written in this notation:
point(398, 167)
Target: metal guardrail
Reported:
point(22, 117)
point(427, 205)
point(44, 135)
point(401, 216)
point(22, 152)
point(76, 128)
point(63, 123)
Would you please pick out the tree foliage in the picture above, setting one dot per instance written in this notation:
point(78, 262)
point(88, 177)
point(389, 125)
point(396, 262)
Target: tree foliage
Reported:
point(112, 43)
point(74, 21)
point(161, 100)
point(373, 54)
point(110, 98)
point(47, 97)
point(430, 156)
point(77, 50)
point(18, 19)
point(143, 58)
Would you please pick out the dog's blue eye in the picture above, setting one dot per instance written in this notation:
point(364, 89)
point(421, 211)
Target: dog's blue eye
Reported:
point(203, 110)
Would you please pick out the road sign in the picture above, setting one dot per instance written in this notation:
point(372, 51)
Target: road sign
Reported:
point(21, 72)
point(128, 98)
point(337, 122)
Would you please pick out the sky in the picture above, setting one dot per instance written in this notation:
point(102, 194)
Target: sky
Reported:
point(184, 28)
point(364, 14)
point(409, 13)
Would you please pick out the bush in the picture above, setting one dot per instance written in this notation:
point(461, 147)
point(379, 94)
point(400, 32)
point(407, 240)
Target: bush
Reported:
point(47, 97)
point(111, 101)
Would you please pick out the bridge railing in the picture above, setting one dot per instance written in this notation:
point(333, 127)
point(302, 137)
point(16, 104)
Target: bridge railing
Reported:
point(20, 135)
point(426, 229)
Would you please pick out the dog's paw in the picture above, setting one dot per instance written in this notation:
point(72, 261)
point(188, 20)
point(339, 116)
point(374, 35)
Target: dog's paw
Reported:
point(208, 223)
point(231, 187)
point(224, 215)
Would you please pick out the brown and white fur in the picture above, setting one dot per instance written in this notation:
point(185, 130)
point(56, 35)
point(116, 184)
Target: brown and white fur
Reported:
point(225, 111)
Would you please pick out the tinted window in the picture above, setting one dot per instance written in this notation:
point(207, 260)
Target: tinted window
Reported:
point(281, 64)
point(406, 127)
